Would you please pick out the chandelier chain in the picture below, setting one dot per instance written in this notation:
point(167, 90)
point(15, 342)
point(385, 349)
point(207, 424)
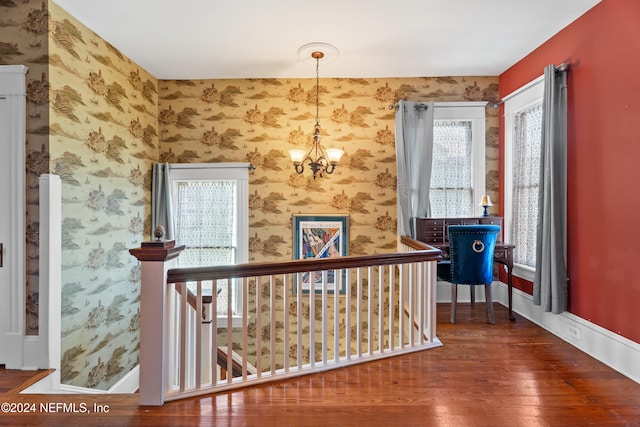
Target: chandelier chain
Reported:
point(317, 90)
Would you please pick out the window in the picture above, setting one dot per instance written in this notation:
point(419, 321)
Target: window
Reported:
point(523, 137)
point(458, 169)
point(206, 222)
point(210, 204)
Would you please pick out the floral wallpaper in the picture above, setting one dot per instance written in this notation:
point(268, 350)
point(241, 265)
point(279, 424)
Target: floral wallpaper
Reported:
point(103, 141)
point(99, 121)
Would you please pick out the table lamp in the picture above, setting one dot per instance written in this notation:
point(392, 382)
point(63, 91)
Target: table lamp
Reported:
point(485, 203)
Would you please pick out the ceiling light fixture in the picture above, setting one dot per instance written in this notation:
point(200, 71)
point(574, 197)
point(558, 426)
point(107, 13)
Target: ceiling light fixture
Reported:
point(319, 160)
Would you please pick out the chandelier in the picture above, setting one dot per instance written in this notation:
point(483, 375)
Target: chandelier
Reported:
point(319, 160)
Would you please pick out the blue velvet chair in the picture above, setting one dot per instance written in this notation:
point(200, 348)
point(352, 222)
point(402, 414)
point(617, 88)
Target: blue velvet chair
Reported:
point(471, 249)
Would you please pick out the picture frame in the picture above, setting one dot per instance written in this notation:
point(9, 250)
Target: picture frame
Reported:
point(320, 236)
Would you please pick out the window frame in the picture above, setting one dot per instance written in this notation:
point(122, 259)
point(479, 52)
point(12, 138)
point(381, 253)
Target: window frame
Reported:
point(475, 112)
point(515, 102)
point(222, 171)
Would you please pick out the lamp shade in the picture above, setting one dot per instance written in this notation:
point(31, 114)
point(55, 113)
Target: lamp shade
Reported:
point(486, 201)
point(334, 154)
point(296, 155)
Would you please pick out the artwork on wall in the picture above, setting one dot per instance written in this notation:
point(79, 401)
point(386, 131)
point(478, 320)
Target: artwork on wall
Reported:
point(320, 236)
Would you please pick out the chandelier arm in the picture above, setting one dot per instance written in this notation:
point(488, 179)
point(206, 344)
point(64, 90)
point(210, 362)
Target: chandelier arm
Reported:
point(330, 168)
point(322, 161)
point(309, 156)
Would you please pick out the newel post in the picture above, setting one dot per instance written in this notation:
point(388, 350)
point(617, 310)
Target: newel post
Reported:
point(156, 258)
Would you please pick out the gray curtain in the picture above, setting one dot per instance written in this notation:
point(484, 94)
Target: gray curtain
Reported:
point(414, 154)
point(161, 205)
point(550, 286)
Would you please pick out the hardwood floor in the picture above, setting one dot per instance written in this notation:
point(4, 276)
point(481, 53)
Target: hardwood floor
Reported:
point(507, 374)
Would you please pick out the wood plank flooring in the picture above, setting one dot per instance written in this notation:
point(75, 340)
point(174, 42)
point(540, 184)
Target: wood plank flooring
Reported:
point(507, 374)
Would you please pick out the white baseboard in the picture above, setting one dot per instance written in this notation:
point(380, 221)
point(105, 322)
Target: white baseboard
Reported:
point(129, 383)
point(13, 341)
point(51, 385)
point(443, 293)
point(31, 353)
point(47, 385)
point(613, 350)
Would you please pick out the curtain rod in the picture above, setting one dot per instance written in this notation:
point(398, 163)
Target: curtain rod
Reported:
point(417, 106)
point(560, 67)
point(231, 165)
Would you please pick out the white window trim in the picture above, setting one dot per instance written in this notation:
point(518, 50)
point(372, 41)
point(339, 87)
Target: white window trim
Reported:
point(519, 100)
point(476, 113)
point(235, 171)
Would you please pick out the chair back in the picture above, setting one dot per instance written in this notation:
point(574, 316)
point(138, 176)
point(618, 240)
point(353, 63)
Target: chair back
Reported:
point(471, 249)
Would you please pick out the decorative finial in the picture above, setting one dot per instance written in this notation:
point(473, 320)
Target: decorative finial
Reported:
point(159, 232)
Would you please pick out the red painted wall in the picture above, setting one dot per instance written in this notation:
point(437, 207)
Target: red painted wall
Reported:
point(603, 48)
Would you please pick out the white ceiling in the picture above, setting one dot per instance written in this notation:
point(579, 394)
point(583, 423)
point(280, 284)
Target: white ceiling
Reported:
point(201, 39)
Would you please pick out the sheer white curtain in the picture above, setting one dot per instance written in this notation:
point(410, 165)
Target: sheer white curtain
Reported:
point(414, 153)
point(526, 183)
point(205, 222)
point(550, 286)
point(451, 191)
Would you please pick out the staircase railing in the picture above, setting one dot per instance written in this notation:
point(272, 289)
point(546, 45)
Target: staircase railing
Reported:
point(380, 306)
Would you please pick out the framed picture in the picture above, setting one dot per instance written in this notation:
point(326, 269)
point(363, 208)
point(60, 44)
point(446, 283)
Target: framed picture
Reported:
point(320, 236)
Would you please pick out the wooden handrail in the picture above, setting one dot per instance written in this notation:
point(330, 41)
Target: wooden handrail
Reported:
point(426, 253)
point(417, 244)
point(222, 355)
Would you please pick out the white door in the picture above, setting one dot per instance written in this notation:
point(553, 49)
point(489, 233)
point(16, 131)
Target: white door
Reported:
point(12, 214)
point(5, 226)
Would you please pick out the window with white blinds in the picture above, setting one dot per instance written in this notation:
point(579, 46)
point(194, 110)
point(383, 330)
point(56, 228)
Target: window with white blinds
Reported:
point(523, 137)
point(458, 168)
